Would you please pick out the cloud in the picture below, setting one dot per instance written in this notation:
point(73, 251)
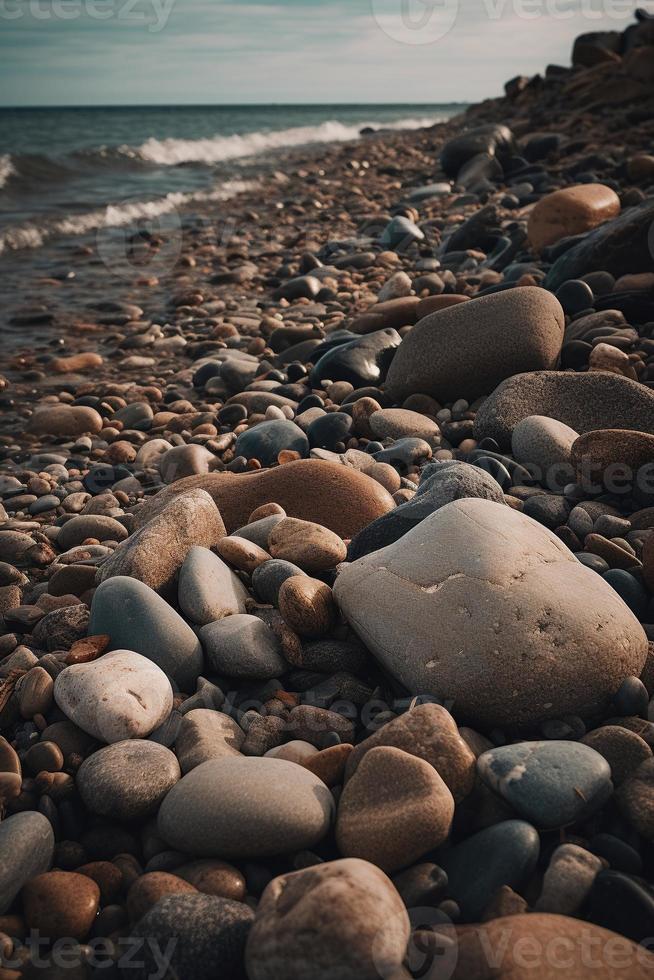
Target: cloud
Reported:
point(325, 51)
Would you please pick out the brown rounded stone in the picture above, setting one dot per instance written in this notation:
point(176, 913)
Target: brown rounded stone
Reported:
point(72, 580)
point(430, 304)
point(107, 877)
point(149, 888)
point(623, 750)
point(467, 350)
point(44, 757)
point(35, 692)
point(614, 459)
point(341, 919)
point(65, 420)
point(429, 732)
point(392, 313)
point(338, 497)
point(311, 546)
point(241, 553)
point(329, 765)
point(265, 510)
point(610, 551)
point(213, 877)
point(570, 211)
point(393, 810)
point(60, 904)
point(76, 362)
point(549, 947)
point(307, 605)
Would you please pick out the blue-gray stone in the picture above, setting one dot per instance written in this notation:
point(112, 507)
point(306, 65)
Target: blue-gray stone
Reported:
point(400, 232)
point(26, 848)
point(267, 439)
point(203, 935)
point(552, 783)
point(138, 619)
point(503, 854)
point(268, 578)
point(441, 483)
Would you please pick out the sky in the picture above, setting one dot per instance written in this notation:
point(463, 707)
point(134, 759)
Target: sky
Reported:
point(143, 52)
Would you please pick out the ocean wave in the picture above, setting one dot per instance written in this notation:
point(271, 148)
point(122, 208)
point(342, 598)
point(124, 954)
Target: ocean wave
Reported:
point(114, 216)
point(6, 168)
point(215, 149)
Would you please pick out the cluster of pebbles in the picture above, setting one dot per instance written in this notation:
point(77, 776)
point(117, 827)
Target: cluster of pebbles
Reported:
point(327, 587)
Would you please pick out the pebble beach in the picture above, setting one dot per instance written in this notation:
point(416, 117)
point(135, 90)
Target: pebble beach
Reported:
point(327, 562)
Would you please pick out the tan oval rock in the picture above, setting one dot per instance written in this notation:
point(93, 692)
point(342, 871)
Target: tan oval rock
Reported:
point(394, 809)
point(429, 732)
point(467, 350)
point(571, 211)
point(482, 605)
point(65, 420)
point(311, 546)
point(307, 605)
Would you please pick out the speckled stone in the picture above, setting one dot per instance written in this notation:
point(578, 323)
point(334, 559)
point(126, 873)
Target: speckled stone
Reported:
point(552, 783)
point(467, 350)
point(127, 780)
point(341, 919)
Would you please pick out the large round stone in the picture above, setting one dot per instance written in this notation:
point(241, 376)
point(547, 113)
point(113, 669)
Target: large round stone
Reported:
point(336, 496)
point(246, 807)
point(121, 695)
point(571, 211)
point(136, 618)
point(594, 400)
point(482, 605)
point(342, 919)
point(467, 350)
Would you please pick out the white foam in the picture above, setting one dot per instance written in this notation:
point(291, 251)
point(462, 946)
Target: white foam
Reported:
point(6, 168)
point(170, 152)
point(114, 216)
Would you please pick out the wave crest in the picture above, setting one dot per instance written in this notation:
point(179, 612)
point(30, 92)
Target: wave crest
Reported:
point(215, 149)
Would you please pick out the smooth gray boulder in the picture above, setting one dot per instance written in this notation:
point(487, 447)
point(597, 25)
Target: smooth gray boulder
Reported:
point(208, 589)
point(26, 849)
point(246, 807)
point(136, 618)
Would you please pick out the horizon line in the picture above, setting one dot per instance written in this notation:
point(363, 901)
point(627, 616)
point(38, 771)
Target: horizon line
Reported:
point(231, 105)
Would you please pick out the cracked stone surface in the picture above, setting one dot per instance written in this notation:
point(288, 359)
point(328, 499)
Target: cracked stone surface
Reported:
point(503, 619)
